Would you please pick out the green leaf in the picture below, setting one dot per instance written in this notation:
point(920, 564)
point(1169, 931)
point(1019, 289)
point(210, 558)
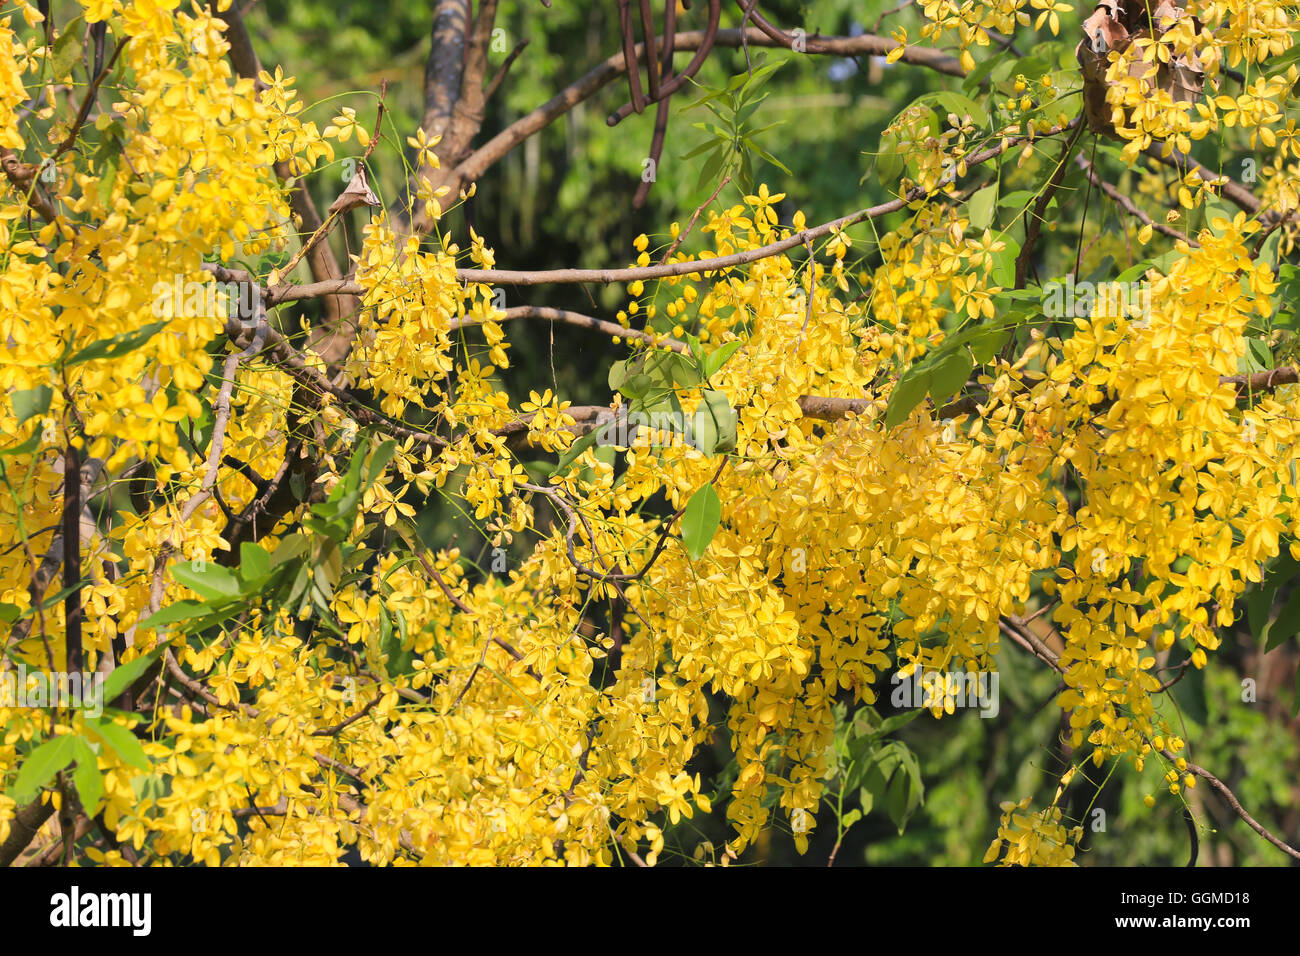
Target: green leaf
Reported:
point(254, 562)
point(1268, 252)
point(707, 144)
point(118, 345)
point(744, 170)
point(86, 777)
point(300, 583)
point(707, 97)
point(988, 342)
point(977, 75)
point(952, 102)
point(749, 109)
point(718, 132)
point(1258, 357)
point(697, 350)
point(770, 158)
point(1259, 601)
point(1134, 272)
point(1004, 264)
point(211, 581)
point(180, 611)
point(679, 369)
point(651, 379)
point(50, 600)
point(896, 776)
point(67, 48)
point(1287, 623)
point(712, 166)
point(898, 800)
point(889, 161)
point(575, 450)
point(704, 432)
point(1164, 262)
point(618, 374)
point(122, 742)
point(759, 74)
point(949, 375)
point(379, 461)
point(982, 206)
point(890, 724)
point(718, 358)
point(338, 510)
point(1258, 604)
point(700, 521)
point(127, 674)
point(40, 767)
point(328, 566)
point(907, 394)
point(714, 424)
point(393, 644)
point(538, 470)
point(25, 448)
point(1019, 199)
point(109, 160)
point(1278, 64)
point(31, 402)
point(1216, 208)
point(289, 548)
point(867, 799)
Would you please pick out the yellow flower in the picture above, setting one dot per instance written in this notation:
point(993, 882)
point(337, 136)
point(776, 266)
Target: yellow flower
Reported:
point(896, 54)
point(425, 157)
point(1051, 9)
point(344, 125)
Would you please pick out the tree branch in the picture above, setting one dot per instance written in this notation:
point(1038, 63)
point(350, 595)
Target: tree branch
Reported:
point(669, 269)
point(322, 262)
point(1127, 204)
point(477, 163)
point(567, 317)
point(23, 828)
point(1230, 190)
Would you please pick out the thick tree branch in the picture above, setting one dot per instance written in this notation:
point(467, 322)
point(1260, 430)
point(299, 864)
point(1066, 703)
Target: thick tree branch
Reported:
point(1263, 381)
point(1035, 222)
point(453, 101)
point(322, 262)
point(24, 827)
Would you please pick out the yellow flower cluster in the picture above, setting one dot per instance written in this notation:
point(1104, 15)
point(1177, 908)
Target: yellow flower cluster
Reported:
point(1032, 839)
point(550, 712)
point(973, 21)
